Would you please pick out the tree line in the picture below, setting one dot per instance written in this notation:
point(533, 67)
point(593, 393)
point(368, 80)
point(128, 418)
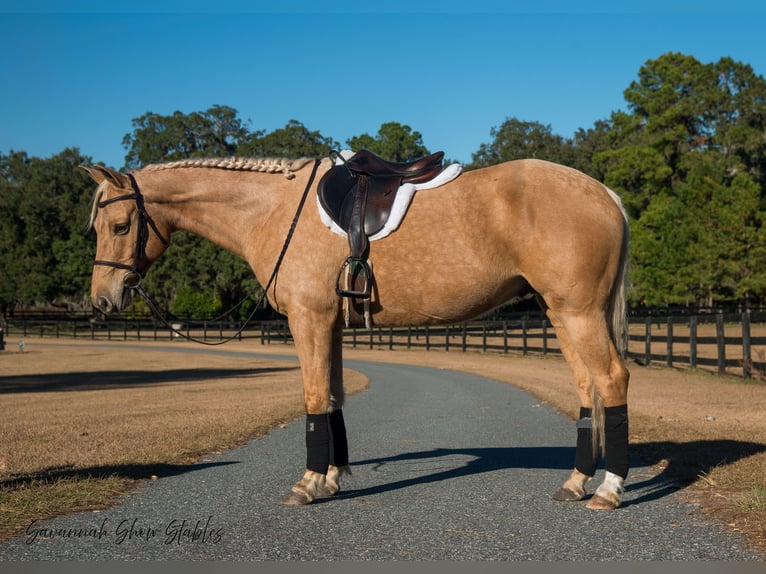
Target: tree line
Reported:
point(687, 156)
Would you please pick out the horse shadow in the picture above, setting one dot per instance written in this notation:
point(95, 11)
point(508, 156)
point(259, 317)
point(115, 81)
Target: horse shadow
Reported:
point(104, 380)
point(659, 469)
point(132, 471)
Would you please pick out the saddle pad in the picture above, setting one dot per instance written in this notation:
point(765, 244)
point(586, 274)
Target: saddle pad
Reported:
point(402, 201)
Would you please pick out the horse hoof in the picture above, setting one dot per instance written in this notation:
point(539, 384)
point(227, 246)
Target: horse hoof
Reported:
point(294, 498)
point(327, 490)
point(567, 495)
point(600, 503)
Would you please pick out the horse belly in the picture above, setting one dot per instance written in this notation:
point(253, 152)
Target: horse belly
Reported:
point(437, 286)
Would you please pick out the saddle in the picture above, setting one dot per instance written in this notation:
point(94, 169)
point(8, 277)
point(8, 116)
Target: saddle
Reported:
point(358, 195)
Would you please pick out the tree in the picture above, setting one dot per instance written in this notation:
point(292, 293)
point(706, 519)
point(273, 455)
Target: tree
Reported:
point(293, 141)
point(217, 132)
point(394, 142)
point(688, 161)
point(516, 139)
point(45, 257)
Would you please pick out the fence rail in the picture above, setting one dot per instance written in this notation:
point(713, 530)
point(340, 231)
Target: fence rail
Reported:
point(732, 344)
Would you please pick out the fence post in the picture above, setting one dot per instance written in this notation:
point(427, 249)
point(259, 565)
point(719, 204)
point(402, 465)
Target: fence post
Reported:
point(524, 335)
point(465, 337)
point(693, 341)
point(446, 338)
point(721, 342)
point(669, 343)
point(747, 361)
point(648, 343)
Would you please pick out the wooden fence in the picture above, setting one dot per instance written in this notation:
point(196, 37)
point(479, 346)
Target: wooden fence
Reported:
point(732, 344)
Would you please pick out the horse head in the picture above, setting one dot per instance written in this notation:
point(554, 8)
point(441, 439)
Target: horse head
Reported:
point(128, 239)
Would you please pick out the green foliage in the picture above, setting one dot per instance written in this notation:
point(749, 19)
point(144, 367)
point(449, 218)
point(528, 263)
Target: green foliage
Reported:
point(293, 141)
point(217, 132)
point(192, 304)
point(45, 256)
point(516, 139)
point(394, 142)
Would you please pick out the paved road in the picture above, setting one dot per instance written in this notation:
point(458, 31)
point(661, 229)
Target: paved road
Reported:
point(446, 466)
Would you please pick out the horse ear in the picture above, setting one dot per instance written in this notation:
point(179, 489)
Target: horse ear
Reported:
point(100, 173)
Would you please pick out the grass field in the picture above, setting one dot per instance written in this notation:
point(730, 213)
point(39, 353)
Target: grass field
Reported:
point(83, 421)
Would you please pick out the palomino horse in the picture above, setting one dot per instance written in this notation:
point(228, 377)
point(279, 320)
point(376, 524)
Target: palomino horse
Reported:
point(518, 228)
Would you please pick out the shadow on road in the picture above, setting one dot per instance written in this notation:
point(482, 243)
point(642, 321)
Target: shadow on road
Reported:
point(102, 380)
point(672, 465)
point(130, 471)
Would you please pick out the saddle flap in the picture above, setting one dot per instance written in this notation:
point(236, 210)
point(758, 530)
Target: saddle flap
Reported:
point(334, 189)
point(336, 192)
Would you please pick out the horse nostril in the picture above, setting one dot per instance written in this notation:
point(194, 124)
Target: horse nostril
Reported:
point(104, 305)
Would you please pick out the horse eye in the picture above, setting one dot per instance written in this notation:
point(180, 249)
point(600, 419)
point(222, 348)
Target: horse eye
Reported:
point(121, 228)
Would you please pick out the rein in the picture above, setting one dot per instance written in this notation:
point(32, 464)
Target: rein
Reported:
point(132, 279)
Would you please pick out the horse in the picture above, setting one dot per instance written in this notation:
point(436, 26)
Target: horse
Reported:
point(521, 228)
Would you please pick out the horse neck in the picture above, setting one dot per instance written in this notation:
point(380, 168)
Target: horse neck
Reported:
point(227, 207)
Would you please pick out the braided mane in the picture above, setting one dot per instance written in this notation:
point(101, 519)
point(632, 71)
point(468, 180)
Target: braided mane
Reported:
point(259, 164)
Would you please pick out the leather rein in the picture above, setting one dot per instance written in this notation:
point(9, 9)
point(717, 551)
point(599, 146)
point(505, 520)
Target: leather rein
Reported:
point(134, 276)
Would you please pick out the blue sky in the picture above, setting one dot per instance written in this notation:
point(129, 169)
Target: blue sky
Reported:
point(75, 74)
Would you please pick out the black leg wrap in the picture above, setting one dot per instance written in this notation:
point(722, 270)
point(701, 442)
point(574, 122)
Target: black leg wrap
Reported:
point(317, 443)
point(616, 440)
point(585, 457)
point(339, 443)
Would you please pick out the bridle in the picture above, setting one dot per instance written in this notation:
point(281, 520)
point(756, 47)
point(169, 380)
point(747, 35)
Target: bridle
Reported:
point(134, 275)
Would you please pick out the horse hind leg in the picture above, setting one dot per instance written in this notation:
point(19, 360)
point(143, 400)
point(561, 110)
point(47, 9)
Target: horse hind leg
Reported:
point(602, 384)
point(586, 455)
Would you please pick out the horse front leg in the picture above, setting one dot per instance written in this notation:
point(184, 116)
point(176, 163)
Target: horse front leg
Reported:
point(319, 354)
point(338, 440)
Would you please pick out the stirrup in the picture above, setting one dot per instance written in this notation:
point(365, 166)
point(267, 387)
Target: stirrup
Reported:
point(357, 267)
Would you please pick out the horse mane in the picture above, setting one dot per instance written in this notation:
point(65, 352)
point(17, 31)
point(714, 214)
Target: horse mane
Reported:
point(260, 164)
point(282, 165)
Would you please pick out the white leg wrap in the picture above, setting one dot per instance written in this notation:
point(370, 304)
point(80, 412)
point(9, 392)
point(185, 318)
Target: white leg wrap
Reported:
point(612, 488)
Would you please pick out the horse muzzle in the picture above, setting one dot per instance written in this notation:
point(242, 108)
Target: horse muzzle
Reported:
point(116, 300)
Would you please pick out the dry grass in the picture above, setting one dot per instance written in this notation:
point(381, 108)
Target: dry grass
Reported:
point(73, 435)
point(699, 431)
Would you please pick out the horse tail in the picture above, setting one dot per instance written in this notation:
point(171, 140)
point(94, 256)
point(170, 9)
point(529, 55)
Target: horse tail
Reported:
point(618, 317)
point(618, 308)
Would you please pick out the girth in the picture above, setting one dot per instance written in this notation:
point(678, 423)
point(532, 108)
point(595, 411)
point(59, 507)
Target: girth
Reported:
point(358, 196)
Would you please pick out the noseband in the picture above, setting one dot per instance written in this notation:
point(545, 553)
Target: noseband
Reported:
point(134, 273)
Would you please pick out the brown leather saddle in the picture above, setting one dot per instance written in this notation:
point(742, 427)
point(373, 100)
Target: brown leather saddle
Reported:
point(358, 195)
